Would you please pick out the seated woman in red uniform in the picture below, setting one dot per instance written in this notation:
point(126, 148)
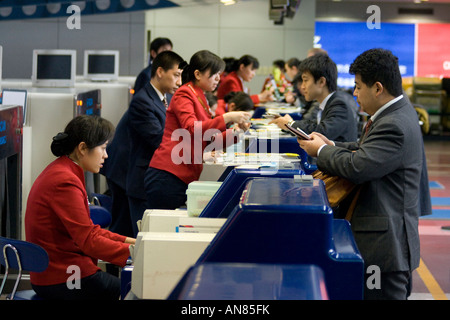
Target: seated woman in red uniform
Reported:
point(58, 219)
point(189, 130)
point(243, 69)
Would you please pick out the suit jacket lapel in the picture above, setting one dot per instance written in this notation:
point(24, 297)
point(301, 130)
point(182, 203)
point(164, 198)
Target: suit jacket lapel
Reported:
point(156, 100)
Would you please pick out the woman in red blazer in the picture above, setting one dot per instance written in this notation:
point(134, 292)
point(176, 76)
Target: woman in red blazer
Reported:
point(189, 130)
point(243, 69)
point(58, 218)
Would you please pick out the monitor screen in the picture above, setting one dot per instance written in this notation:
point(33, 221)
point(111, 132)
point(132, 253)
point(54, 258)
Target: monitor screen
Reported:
point(101, 65)
point(88, 102)
point(54, 68)
point(15, 97)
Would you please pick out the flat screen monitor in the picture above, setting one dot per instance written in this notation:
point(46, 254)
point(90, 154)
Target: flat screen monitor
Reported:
point(16, 97)
point(101, 65)
point(54, 68)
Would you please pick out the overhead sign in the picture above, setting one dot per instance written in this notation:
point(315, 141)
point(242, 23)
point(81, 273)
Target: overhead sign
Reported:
point(344, 41)
point(433, 50)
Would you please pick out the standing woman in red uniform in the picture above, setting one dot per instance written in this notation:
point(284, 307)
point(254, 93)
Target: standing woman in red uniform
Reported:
point(243, 69)
point(189, 129)
point(58, 219)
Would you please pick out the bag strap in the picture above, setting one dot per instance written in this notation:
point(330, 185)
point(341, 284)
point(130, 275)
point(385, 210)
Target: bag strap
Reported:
point(349, 214)
point(207, 109)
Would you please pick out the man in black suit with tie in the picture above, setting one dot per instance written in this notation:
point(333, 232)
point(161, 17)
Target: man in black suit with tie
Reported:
point(336, 116)
point(147, 116)
point(138, 135)
point(388, 165)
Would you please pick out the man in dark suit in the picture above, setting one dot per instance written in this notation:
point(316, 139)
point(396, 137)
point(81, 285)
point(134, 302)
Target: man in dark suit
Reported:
point(137, 136)
point(388, 164)
point(115, 170)
point(147, 116)
point(336, 116)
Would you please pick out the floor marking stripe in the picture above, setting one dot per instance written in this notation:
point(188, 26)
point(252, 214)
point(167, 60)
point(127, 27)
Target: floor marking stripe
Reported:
point(430, 282)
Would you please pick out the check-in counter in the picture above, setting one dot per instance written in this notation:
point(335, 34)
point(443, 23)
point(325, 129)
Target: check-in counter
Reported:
point(279, 108)
point(229, 193)
point(246, 281)
point(283, 144)
point(278, 220)
point(161, 259)
point(155, 220)
point(290, 221)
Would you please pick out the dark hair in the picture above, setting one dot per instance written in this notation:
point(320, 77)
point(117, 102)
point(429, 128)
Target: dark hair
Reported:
point(293, 62)
point(321, 65)
point(202, 61)
point(379, 65)
point(159, 42)
point(167, 60)
point(242, 100)
point(246, 60)
point(280, 64)
point(92, 130)
point(229, 61)
point(297, 79)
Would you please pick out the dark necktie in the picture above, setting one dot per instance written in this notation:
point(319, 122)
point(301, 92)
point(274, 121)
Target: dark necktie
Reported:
point(165, 102)
point(366, 129)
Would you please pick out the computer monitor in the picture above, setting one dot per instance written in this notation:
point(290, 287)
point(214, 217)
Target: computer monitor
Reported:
point(16, 97)
point(101, 65)
point(54, 68)
point(88, 102)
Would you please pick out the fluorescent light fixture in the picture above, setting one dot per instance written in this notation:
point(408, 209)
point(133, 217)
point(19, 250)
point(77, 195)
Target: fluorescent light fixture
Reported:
point(228, 2)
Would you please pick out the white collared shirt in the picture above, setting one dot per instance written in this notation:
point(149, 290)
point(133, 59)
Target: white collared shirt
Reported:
point(387, 105)
point(160, 95)
point(322, 106)
point(244, 88)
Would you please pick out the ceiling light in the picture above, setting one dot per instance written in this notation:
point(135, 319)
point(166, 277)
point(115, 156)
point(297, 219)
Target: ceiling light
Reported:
point(228, 2)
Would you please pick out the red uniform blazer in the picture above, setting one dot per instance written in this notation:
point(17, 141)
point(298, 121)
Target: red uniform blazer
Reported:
point(58, 219)
point(187, 132)
point(232, 83)
point(222, 107)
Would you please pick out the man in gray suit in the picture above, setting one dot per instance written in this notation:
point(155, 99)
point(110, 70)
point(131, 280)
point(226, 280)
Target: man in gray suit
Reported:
point(388, 164)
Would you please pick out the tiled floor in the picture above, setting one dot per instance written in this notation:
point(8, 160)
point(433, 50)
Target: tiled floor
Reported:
point(432, 279)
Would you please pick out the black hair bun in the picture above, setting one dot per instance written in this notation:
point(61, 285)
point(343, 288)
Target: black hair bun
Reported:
point(59, 144)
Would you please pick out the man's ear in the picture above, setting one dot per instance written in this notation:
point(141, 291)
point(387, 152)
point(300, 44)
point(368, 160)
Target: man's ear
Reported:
point(379, 89)
point(322, 81)
point(159, 72)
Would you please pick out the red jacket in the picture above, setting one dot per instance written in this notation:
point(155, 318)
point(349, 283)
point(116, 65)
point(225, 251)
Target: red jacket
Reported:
point(222, 107)
point(232, 83)
point(57, 218)
point(187, 132)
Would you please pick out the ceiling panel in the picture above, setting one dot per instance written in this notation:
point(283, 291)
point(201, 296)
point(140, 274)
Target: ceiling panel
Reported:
point(33, 9)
